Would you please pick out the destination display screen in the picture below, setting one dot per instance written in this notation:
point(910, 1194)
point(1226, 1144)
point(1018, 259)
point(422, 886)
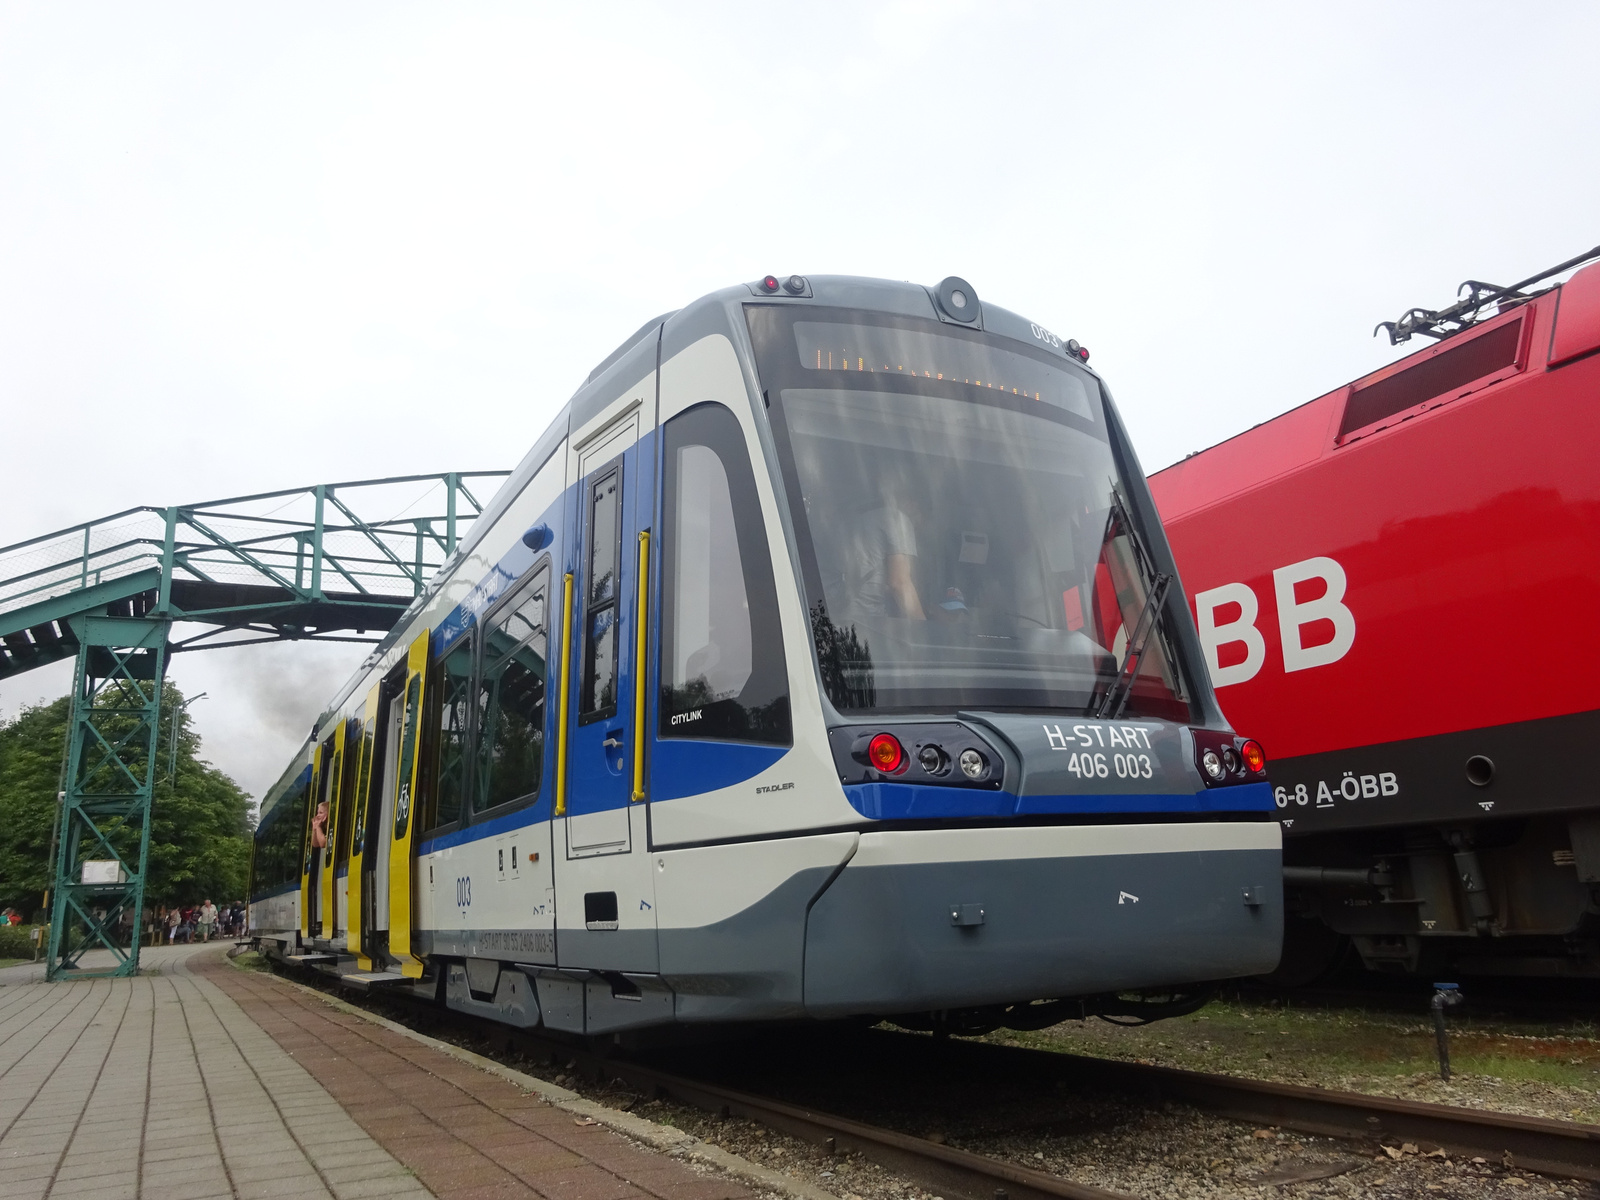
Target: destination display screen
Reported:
point(881, 349)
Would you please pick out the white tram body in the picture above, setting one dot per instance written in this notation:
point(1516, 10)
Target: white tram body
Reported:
point(802, 669)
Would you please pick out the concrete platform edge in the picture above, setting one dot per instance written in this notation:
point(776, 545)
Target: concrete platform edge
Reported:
point(664, 1138)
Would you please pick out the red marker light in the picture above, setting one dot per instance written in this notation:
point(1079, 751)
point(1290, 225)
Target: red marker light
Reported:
point(885, 753)
point(769, 284)
point(1254, 756)
point(1083, 353)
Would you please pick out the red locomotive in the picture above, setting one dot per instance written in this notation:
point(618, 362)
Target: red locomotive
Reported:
point(1397, 588)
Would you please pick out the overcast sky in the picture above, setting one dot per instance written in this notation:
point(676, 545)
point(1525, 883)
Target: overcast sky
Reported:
point(246, 247)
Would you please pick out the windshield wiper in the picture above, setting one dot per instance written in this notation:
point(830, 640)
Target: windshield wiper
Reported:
point(1116, 697)
point(1118, 521)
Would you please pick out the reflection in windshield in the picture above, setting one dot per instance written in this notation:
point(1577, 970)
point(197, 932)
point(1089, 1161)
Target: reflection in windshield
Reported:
point(963, 550)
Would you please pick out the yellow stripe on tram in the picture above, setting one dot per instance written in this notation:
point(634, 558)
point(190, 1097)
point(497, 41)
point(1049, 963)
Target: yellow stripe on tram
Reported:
point(639, 672)
point(566, 682)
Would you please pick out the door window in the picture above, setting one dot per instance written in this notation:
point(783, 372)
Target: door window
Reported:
point(347, 787)
point(723, 673)
point(408, 750)
point(358, 837)
point(452, 709)
point(317, 838)
point(601, 597)
point(511, 699)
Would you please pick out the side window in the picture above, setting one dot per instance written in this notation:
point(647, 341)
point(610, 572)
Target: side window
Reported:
point(723, 673)
point(452, 707)
point(599, 698)
point(358, 838)
point(511, 699)
point(290, 834)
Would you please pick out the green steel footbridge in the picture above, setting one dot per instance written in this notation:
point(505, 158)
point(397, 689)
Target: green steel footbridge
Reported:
point(119, 595)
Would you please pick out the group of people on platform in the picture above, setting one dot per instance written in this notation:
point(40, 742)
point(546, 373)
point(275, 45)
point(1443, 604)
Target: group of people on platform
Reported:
point(195, 922)
point(169, 924)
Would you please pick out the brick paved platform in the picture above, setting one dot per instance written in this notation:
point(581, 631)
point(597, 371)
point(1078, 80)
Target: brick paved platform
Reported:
point(208, 1081)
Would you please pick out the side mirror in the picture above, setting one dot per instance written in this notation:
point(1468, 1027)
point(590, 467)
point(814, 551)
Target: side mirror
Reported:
point(538, 537)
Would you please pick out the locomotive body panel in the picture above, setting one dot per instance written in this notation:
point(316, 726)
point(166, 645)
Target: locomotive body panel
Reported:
point(1438, 552)
point(1391, 586)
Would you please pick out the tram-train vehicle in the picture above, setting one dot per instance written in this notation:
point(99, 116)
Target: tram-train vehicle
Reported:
point(1409, 627)
point(824, 658)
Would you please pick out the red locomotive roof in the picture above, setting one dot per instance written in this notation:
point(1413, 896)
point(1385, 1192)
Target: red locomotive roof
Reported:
point(1414, 553)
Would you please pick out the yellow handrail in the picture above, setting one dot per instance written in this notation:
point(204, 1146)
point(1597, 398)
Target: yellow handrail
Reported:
point(566, 681)
point(640, 671)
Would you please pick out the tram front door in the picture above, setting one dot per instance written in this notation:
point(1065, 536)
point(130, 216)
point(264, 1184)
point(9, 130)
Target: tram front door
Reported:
point(604, 895)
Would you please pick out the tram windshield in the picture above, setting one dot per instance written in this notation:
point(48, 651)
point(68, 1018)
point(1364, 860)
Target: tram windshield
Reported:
point(958, 511)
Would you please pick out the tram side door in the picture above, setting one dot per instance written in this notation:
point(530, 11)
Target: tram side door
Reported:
point(385, 717)
point(363, 856)
point(400, 830)
point(316, 831)
point(604, 894)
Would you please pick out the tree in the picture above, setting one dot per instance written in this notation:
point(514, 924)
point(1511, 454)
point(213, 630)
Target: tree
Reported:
point(200, 820)
point(31, 748)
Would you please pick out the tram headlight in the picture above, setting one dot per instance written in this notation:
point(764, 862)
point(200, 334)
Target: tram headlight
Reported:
point(1211, 761)
point(886, 753)
point(957, 300)
point(1230, 760)
point(973, 764)
point(1254, 756)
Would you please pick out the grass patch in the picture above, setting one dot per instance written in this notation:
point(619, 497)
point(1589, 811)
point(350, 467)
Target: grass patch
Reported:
point(13, 962)
point(1357, 1050)
point(249, 960)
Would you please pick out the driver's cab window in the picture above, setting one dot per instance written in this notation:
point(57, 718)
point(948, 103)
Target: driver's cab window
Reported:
point(723, 671)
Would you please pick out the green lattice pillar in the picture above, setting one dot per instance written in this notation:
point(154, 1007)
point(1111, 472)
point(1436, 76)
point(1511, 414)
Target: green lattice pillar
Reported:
point(111, 774)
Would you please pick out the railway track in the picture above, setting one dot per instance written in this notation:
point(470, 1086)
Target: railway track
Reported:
point(1557, 1148)
point(1561, 1148)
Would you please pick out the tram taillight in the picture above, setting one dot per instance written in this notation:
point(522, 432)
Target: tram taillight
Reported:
point(1254, 756)
point(885, 753)
point(769, 284)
